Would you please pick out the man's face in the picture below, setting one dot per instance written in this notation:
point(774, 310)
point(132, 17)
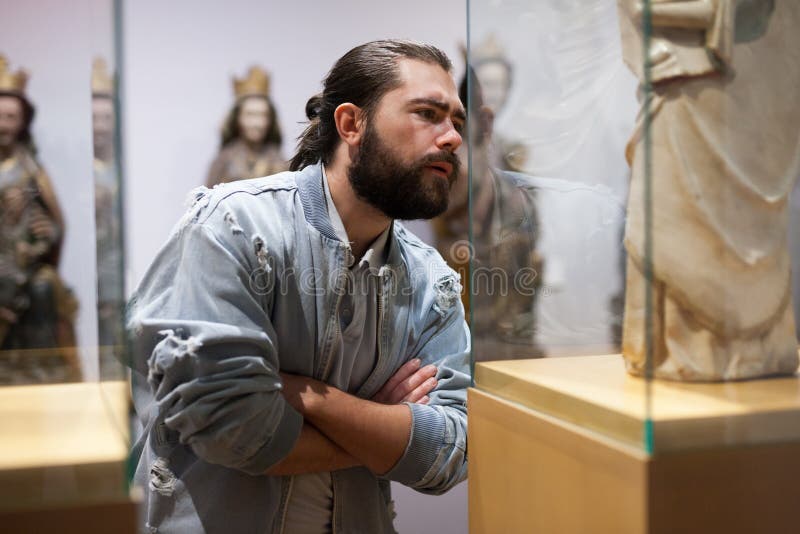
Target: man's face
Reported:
point(406, 162)
point(254, 119)
point(11, 119)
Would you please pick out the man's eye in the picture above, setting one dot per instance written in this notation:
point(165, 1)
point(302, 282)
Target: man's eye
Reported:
point(428, 114)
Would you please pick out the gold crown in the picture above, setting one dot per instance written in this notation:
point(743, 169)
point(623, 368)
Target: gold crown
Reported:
point(255, 84)
point(102, 84)
point(12, 82)
point(487, 51)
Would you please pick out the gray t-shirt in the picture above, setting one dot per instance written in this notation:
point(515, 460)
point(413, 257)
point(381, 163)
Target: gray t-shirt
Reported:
point(310, 504)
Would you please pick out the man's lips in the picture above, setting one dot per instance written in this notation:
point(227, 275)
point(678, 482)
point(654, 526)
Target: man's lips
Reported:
point(441, 166)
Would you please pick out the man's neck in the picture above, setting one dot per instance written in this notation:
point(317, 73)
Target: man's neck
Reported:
point(362, 221)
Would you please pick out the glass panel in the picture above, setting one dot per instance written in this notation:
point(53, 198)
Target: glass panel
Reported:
point(551, 109)
point(107, 194)
point(65, 436)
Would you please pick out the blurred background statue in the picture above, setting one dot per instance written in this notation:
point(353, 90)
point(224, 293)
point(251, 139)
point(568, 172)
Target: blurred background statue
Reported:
point(110, 297)
point(37, 311)
point(495, 75)
point(725, 135)
point(506, 267)
point(251, 135)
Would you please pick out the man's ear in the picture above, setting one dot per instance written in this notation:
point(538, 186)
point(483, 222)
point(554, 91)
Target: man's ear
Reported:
point(349, 123)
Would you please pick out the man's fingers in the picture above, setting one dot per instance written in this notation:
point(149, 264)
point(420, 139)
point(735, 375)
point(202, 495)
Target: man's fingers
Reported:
point(405, 371)
point(421, 391)
point(404, 390)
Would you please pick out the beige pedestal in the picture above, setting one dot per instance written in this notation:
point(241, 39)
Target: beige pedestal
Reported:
point(558, 446)
point(63, 452)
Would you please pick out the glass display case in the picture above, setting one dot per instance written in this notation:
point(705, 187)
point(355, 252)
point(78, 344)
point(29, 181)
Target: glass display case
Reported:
point(64, 394)
point(637, 160)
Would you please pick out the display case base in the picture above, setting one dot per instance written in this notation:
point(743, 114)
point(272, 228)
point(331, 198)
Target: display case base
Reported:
point(531, 471)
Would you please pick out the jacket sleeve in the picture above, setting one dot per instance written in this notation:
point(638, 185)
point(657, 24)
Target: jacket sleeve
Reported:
point(435, 458)
point(204, 341)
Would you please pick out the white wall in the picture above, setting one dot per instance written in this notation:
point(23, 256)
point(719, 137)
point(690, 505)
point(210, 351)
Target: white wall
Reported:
point(54, 41)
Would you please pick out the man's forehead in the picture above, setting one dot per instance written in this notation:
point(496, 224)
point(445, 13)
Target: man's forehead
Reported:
point(421, 80)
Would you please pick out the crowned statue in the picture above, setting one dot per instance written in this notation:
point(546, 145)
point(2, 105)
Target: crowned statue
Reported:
point(110, 291)
point(724, 136)
point(251, 136)
point(37, 310)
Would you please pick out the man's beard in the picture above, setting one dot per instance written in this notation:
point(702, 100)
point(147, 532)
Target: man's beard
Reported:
point(399, 190)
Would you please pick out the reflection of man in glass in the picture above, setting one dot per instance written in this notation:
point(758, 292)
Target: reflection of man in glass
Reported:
point(251, 135)
point(107, 220)
point(506, 268)
point(36, 309)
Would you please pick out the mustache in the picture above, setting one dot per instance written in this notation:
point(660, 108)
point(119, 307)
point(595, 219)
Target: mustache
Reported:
point(442, 155)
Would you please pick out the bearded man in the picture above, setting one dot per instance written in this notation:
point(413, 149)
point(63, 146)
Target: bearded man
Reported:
point(295, 347)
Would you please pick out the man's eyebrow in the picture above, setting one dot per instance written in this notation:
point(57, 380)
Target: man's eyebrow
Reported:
point(440, 104)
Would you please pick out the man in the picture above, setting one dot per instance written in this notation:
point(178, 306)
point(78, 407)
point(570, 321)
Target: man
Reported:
point(287, 335)
point(37, 310)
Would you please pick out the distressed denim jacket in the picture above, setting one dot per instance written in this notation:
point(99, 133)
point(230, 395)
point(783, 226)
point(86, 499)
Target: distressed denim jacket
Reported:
point(248, 285)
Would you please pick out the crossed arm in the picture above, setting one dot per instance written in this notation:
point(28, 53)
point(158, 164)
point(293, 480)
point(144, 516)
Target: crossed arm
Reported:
point(342, 430)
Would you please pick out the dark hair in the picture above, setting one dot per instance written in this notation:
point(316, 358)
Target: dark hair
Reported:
point(230, 128)
point(28, 113)
point(361, 76)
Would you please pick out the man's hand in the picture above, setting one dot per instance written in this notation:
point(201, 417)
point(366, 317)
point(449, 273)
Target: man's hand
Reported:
point(408, 384)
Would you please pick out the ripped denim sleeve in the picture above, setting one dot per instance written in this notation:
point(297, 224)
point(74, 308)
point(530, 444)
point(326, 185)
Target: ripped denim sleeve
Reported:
point(206, 345)
point(435, 458)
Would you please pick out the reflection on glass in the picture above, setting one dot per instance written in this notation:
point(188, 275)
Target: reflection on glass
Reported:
point(108, 223)
point(551, 113)
point(502, 284)
point(721, 112)
point(251, 136)
point(37, 310)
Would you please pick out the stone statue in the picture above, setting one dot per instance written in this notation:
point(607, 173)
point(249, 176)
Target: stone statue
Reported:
point(251, 135)
point(725, 135)
point(108, 224)
point(506, 268)
point(37, 311)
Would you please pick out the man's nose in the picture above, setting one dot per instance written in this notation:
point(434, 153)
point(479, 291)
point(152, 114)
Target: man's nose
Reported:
point(449, 140)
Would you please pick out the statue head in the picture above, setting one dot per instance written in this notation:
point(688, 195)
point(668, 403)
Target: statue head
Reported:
point(253, 117)
point(16, 112)
point(493, 71)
